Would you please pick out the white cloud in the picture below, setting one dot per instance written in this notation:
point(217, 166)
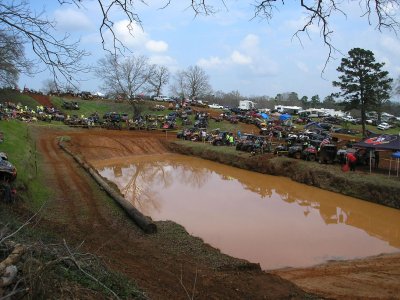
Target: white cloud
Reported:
point(302, 66)
point(390, 44)
point(157, 46)
point(133, 36)
point(164, 60)
point(72, 20)
point(251, 61)
point(211, 62)
point(130, 34)
point(240, 59)
point(250, 42)
point(297, 24)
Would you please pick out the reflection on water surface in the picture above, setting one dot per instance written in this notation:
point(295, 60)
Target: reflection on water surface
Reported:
point(266, 219)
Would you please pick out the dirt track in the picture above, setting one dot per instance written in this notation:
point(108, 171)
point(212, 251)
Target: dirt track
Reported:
point(81, 212)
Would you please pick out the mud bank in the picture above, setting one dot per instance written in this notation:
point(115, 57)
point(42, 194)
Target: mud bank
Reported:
point(369, 187)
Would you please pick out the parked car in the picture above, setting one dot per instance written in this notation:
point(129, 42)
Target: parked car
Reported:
point(161, 98)
point(371, 122)
point(383, 126)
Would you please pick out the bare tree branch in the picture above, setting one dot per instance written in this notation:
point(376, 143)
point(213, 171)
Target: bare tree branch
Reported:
point(61, 57)
point(381, 12)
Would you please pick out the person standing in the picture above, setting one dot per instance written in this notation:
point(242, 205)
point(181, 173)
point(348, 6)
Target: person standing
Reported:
point(231, 140)
point(351, 160)
point(203, 135)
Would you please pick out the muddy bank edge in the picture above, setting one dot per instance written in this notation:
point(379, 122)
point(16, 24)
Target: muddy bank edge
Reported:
point(365, 187)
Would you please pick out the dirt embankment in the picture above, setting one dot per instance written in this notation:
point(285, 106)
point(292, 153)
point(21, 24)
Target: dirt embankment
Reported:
point(42, 99)
point(327, 177)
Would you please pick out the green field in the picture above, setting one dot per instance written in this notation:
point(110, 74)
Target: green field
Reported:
point(13, 96)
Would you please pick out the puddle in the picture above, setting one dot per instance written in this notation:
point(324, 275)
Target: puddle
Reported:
point(265, 219)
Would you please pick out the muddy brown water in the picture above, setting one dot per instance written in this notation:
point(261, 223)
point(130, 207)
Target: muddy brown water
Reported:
point(265, 219)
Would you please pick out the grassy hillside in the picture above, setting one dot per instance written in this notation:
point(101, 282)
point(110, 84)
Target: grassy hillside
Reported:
point(88, 107)
point(16, 97)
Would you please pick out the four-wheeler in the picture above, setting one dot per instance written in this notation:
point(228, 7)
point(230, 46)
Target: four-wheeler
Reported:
point(8, 172)
point(70, 105)
point(327, 154)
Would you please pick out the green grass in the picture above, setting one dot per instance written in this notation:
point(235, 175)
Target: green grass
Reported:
point(87, 107)
point(21, 151)
point(16, 97)
point(200, 147)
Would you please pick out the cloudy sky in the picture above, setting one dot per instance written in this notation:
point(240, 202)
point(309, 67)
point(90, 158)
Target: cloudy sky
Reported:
point(237, 51)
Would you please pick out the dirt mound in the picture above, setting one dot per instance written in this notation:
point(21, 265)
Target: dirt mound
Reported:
point(100, 144)
point(372, 278)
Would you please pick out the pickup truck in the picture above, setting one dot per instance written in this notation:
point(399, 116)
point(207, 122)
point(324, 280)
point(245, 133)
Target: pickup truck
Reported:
point(161, 98)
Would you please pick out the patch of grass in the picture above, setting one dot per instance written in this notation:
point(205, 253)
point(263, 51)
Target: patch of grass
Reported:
point(87, 107)
point(21, 151)
point(115, 281)
point(16, 97)
point(223, 126)
point(200, 147)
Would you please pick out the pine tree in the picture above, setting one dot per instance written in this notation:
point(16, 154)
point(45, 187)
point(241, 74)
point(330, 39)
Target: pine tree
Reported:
point(363, 84)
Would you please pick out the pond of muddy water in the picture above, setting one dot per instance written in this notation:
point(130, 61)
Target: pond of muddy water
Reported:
point(265, 219)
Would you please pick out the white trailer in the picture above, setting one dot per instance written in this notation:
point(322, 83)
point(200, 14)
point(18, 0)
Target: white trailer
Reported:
point(246, 104)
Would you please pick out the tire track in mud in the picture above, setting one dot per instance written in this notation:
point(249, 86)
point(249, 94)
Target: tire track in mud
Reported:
point(80, 198)
point(100, 234)
point(56, 176)
point(146, 146)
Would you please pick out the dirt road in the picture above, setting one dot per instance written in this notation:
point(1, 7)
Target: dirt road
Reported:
point(163, 264)
point(166, 263)
point(372, 278)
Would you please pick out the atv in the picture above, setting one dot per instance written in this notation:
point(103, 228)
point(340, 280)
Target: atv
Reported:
point(8, 172)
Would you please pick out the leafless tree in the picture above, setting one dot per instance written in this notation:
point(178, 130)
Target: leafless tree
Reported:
point(12, 59)
point(179, 86)
point(49, 86)
point(159, 79)
point(125, 76)
point(197, 82)
point(59, 55)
